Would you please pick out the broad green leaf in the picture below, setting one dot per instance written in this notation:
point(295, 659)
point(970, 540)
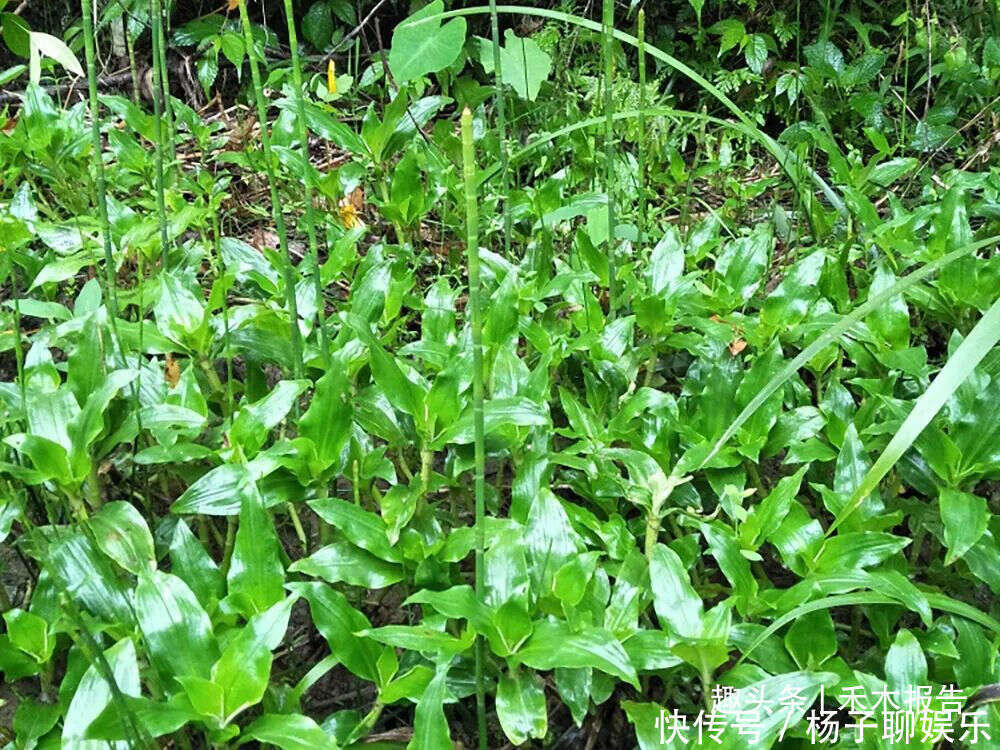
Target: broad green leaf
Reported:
point(677, 604)
point(244, 668)
point(46, 45)
point(338, 622)
point(93, 693)
point(362, 527)
point(965, 517)
point(525, 66)
point(811, 640)
point(343, 562)
point(288, 732)
point(122, 534)
point(327, 421)
point(190, 562)
point(787, 305)
point(430, 726)
point(428, 48)
point(554, 644)
point(521, 706)
point(256, 574)
point(175, 627)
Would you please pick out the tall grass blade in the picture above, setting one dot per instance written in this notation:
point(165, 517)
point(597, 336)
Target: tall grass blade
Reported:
point(981, 339)
point(310, 214)
point(834, 332)
point(269, 165)
point(479, 431)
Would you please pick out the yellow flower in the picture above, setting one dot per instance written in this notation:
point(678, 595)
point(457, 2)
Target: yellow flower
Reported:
point(331, 77)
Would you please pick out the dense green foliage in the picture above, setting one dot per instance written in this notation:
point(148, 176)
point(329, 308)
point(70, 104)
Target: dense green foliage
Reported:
point(463, 376)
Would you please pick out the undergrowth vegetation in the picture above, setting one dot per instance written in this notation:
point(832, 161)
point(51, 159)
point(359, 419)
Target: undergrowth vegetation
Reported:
point(446, 375)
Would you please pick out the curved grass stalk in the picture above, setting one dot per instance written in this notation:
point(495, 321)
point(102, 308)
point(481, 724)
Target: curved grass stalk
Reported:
point(279, 219)
point(937, 601)
point(791, 161)
point(478, 425)
point(310, 213)
point(609, 155)
point(981, 339)
point(783, 155)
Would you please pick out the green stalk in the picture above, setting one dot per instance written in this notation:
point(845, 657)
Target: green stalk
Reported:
point(501, 124)
point(279, 219)
point(303, 136)
point(641, 36)
point(161, 71)
point(609, 163)
point(476, 310)
point(98, 159)
point(161, 207)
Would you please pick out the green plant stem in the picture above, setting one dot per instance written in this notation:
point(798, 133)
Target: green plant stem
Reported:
point(156, 14)
point(479, 431)
point(641, 149)
point(279, 219)
point(609, 154)
point(98, 159)
point(501, 108)
point(164, 80)
point(310, 214)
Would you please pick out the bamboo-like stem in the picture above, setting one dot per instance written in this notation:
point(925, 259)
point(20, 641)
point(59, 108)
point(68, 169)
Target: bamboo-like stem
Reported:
point(98, 159)
point(476, 310)
point(641, 35)
point(310, 216)
point(156, 16)
point(609, 164)
point(160, 68)
point(501, 124)
point(279, 219)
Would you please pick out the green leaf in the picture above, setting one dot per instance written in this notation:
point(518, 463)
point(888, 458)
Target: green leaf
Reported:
point(256, 574)
point(362, 527)
point(427, 48)
point(981, 339)
point(787, 305)
point(175, 627)
point(327, 421)
point(288, 732)
point(755, 52)
point(317, 25)
point(858, 549)
point(338, 622)
point(965, 517)
point(521, 706)
point(49, 46)
point(93, 693)
point(343, 562)
point(430, 725)
point(554, 644)
point(244, 668)
point(811, 640)
point(33, 720)
point(677, 605)
point(419, 638)
point(525, 66)
point(905, 664)
point(122, 534)
point(30, 633)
